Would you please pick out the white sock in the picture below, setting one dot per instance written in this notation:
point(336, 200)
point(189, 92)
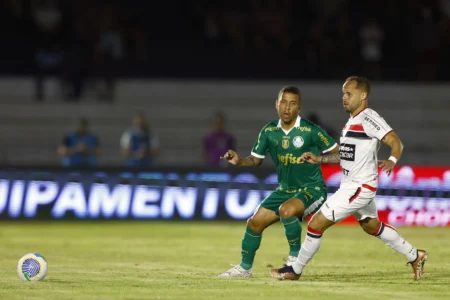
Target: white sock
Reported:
point(393, 239)
point(310, 246)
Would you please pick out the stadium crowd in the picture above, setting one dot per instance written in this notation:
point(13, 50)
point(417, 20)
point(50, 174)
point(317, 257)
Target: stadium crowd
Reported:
point(309, 39)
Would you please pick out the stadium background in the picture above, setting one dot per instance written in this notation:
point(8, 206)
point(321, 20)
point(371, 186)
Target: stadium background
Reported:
point(209, 56)
point(167, 231)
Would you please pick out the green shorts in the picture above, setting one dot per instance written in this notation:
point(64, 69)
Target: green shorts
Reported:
point(312, 198)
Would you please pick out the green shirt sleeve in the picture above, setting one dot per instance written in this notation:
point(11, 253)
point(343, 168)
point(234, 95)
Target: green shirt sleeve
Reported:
point(261, 146)
point(323, 140)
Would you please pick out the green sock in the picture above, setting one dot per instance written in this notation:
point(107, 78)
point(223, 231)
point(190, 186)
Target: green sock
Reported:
point(293, 230)
point(250, 243)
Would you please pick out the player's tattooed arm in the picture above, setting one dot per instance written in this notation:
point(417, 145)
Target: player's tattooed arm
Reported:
point(233, 158)
point(332, 158)
point(250, 161)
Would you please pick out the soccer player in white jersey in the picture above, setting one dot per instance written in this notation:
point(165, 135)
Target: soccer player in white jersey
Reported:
point(359, 144)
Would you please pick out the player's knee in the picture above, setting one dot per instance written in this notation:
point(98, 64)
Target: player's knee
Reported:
point(287, 211)
point(256, 224)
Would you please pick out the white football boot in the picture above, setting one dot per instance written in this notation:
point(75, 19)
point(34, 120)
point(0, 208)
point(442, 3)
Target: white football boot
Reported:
point(236, 271)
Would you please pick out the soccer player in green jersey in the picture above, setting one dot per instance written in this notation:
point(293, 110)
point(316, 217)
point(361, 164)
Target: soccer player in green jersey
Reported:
point(301, 190)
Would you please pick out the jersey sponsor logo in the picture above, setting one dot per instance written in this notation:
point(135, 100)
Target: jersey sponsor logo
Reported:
point(303, 128)
point(289, 158)
point(271, 129)
point(298, 142)
point(285, 142)
point(372, 123)
point(324, 139)
point(347, 152)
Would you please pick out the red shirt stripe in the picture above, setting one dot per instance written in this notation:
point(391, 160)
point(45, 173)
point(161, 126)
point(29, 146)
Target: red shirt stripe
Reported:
point(356, 127)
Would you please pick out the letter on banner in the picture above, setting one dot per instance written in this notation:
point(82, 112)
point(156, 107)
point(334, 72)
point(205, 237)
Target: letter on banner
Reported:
point(183, 199)
point(210, 203)
point(104, 203)
point(4, 189)
point(238, 211)
point(72, 197)
point(39, 193)
point(145, 202)
point(16, 198)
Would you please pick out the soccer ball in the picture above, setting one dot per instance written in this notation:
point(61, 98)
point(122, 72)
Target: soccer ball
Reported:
point(32, 267)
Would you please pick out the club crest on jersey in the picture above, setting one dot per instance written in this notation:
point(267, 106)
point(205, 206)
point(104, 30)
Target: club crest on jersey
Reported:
point(298, 142)
point(285, 142)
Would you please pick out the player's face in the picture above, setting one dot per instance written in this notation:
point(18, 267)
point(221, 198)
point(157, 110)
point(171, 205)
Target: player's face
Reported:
point(352, 98)
point(288, 107)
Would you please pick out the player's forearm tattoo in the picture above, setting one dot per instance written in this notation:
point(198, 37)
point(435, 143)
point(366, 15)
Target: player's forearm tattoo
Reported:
point(333, 158)
point(249, 161)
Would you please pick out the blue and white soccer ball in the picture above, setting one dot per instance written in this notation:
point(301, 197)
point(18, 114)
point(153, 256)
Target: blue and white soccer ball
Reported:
point(32, 267)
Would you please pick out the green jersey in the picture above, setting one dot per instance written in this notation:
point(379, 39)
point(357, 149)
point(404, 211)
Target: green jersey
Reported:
point(286, 148)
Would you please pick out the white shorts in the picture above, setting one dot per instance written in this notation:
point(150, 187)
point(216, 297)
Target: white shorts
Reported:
point(351, 199)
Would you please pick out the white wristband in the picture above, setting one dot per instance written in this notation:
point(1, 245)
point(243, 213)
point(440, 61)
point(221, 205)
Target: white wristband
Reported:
point(393, 159)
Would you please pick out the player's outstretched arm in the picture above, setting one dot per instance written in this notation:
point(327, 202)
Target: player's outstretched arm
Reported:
point(332, 158)
point(233, 158)
point(393, 141)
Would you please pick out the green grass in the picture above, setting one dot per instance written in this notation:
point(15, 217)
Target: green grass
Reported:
point(181, 260)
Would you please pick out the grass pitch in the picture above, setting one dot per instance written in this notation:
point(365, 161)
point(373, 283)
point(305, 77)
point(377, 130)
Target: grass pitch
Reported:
point(181, 260)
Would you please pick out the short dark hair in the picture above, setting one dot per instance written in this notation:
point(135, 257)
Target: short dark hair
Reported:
point(361, 83)
point(292, 90)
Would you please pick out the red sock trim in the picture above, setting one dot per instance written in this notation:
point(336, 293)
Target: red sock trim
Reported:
point(378, 230)
point(314, 231)
point(387, 225)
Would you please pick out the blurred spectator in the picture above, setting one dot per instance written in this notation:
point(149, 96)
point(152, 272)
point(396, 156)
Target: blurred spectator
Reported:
point(139, 145)
point(235, 23)
point(109, 51)
point(444, 58)
point(270, 20)
point(343, 47)
point(314, 117)
point(132, 38)
point(425, 35)
point(371, 37)
point(80, 148)
point(48, 22)
point(217, 142)
point(79, 55)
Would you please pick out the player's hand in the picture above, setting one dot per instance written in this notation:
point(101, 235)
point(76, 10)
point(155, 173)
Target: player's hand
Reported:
point(310, 158)
point(387, 166)
point(231, 156)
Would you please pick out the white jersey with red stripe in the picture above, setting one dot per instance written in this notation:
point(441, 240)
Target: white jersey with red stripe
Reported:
point(359, 145)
